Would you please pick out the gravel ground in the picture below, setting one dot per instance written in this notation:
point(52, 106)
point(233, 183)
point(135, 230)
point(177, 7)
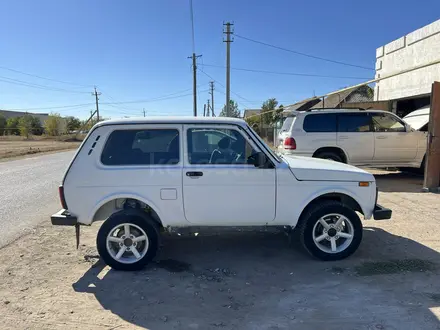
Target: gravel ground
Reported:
point(236, 279)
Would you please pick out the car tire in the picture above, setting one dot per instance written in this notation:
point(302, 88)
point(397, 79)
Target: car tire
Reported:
point(311, 230)
point(330, 156)
point(139, 246)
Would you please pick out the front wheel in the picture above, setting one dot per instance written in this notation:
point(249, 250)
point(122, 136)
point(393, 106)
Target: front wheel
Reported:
point(330, 231)
point(127, 240)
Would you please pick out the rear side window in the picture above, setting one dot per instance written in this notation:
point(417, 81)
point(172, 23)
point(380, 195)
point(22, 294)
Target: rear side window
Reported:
point(320, 123)
point(288, 123)
point(354, 122)
point(142, 147)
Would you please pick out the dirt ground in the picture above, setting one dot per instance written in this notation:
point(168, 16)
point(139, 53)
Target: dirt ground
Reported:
point(235, 280)
point(16, 146)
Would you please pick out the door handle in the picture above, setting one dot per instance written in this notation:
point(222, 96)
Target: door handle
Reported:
point(343, 138)
point(194, 174)
point(381, 137)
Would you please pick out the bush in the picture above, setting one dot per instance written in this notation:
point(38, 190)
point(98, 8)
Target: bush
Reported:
point(37, 128)
point(25, 125)
point(2, 125)
point(12, 126)
point(53, 125)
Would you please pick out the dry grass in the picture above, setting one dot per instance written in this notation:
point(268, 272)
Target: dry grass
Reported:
point(16, 146)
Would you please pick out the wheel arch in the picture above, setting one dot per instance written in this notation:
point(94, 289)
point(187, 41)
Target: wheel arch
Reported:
point(343, 197)
point(334, 149)
point(117, 202)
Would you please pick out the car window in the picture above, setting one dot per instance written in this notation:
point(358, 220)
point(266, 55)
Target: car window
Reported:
point(320, 123)
point(288, 123)
point(354, 122)
point(383, 122)
point(142, 147)
point(212, 146)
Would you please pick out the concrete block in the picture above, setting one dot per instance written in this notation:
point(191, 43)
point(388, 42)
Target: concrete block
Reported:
point(395, 45)
point(379, 52)
point(423, 33)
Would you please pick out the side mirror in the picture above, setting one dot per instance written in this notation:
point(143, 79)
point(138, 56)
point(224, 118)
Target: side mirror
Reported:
point(258, 159)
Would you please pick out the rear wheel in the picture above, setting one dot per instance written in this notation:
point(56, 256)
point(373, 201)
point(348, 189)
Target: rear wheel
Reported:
point(330, 231)
point(128, 240)
point(330, 156)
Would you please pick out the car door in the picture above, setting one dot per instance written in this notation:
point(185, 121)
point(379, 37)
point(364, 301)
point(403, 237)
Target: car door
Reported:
point(220, 187)
point(394, 143)
point(355, 136)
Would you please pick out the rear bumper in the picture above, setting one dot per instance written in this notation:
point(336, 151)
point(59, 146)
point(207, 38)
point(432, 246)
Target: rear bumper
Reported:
point(381, 213)
point(63, 218)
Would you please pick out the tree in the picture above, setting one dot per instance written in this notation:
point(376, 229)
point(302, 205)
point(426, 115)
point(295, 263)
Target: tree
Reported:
point(233, 110)
point(2, 124)
point(25, 125)
point(73, 123)
point(12, 126)
point(52, 124)
point(278, 115)
point(267, 111)
point(37, 128)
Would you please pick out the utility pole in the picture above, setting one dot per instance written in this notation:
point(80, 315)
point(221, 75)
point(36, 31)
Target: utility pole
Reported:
point(207, 109)
point(228, 41)
point(96, 94)
point(204, 110)
point(143, 111)
point(194, 65)
point(211, 87)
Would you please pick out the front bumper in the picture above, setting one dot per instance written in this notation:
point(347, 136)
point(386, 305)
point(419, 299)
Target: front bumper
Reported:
point(381, 213)
point(63, 218)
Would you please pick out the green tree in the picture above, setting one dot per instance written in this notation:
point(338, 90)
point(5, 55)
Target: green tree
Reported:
point(12, 126)
point(52, 124)
point(25, 125)
point(267, 111)
point(278, 115)
point(37, 128)
point(233, 110)
point(2, 124)
point(72, 123)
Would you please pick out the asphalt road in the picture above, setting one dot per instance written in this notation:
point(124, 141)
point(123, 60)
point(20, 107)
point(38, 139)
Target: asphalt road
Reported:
point(29, 192)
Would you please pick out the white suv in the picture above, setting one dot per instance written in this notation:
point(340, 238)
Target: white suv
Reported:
point(358, 137)
point(144, 176)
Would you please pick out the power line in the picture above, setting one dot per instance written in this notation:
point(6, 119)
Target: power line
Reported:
point(304, 54)
point(49, 108)
point(38, 86)
point(40, 77)
point(239, 96)
point(111, 104)
point(287, 73)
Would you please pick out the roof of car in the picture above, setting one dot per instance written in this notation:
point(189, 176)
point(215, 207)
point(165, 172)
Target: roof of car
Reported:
point(332, 110)
point(174, 120)
point(419, 112)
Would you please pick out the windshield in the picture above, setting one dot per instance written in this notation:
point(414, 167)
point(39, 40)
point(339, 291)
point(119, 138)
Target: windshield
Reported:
point(288, 123)
point(268, 149)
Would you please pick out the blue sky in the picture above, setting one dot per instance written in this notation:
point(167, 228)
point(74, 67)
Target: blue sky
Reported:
point(137, 50)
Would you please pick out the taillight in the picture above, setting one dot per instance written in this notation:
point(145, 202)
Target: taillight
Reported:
point(62, 199)
point(289, 143)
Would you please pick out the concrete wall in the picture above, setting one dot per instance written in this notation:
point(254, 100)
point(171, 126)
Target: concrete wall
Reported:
point(11, 114)
point(418, 47)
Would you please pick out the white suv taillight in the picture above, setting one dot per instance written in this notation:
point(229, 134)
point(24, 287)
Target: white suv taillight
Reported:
point(289, 143)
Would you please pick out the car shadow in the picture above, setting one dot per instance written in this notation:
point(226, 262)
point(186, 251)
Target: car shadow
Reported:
point(399, 182)
point(251, 280)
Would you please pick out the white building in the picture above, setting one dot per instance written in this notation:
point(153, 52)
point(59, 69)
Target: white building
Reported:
point(409, 91)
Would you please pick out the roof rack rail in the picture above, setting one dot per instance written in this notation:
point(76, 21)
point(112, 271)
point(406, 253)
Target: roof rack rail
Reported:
point(317, 109)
